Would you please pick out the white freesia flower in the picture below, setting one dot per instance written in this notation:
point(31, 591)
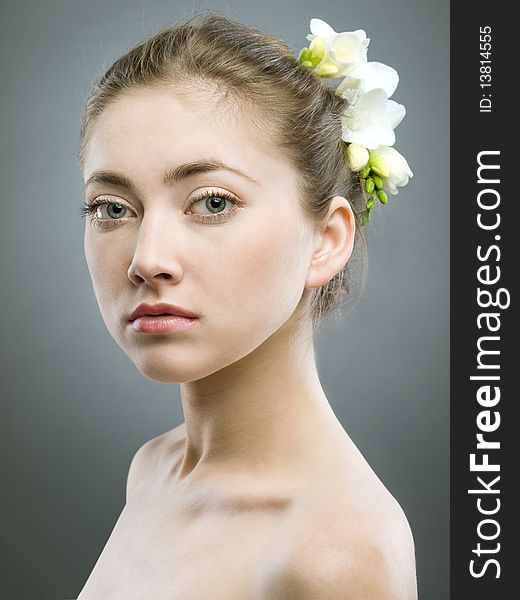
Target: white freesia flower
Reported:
point(344, 51)
point(371, 118)
point(400, 171)
point(369, 76)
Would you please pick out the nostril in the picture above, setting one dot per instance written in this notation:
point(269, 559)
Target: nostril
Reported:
point(147, 274)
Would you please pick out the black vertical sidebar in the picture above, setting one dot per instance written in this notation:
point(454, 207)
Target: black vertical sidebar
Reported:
point(485, 177)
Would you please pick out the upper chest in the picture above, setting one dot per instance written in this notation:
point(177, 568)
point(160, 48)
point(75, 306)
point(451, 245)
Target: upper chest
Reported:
point(191, 547)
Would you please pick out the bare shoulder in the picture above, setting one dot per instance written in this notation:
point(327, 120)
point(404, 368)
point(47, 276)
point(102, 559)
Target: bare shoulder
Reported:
point(148, 454)
point(348, 553)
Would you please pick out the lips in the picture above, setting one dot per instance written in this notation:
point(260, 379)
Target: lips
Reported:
point(160, 309)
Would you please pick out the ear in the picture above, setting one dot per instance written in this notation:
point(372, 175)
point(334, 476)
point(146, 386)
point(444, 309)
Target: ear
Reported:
point(333, 243)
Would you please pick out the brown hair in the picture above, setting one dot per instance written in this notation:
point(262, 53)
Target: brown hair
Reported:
point(256, 75)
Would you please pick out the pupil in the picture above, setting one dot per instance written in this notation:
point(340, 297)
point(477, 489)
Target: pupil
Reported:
point(115, 210)
point(215, 203)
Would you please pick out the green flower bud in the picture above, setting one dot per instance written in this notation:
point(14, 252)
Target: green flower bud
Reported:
point(369, 185)
point(370, 202)
point(378, 181)
point(308, 64)
point(382, 196)
point(365, 172)
point(305, 54)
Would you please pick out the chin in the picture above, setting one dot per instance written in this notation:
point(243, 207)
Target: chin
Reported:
point(173, 366)
point(166, 370)
point(165, 373)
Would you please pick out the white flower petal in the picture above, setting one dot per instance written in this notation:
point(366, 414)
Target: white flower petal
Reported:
point(372, 103)
point(348, 49)
point(394, 113)
point(372, 135)
point(370, 76)
point(370, 119)
point(369, 136)
point(321, 28)
point(386, 135)
point(363, 38)
point(361, 34)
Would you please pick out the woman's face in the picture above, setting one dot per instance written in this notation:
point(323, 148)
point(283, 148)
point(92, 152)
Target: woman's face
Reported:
point(232, 248)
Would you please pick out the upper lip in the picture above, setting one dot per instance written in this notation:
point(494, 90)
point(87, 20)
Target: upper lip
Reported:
point(159, 309)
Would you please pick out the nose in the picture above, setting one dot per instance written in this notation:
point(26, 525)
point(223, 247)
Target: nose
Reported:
point(154, 259)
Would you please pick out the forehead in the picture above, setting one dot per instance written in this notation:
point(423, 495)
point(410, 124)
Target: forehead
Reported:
point(145, 131)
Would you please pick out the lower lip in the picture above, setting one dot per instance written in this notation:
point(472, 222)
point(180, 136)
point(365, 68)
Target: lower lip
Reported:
point(162, 324)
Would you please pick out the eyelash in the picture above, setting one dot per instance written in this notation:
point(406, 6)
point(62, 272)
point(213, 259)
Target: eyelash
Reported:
point(89, 209)
point(219, 217)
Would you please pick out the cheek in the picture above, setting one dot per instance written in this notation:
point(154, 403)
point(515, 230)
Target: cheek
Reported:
point(106, 265)
point(260, 278)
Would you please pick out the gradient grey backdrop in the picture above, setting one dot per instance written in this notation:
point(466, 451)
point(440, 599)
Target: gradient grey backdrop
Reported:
point(74, 409)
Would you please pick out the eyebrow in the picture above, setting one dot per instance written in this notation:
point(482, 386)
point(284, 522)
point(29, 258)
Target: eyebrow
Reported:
point(170, 176)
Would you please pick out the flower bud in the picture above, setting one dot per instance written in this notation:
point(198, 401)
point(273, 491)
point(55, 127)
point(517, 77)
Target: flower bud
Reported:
point(318, 49)
point(400, 171)
point(379, 165)
point(327, 68)
point(378, 181)
point(369, 185)
point(382, 196)
point(357, 157)
point(305, 54)
point(365, 172)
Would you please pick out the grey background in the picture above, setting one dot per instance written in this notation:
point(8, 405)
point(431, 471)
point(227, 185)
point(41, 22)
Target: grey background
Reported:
point(74, 409)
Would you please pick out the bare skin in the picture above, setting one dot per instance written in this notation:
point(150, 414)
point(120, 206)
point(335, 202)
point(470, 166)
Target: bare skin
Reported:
point(235, 537)
point(245, 535)
point(260, 494)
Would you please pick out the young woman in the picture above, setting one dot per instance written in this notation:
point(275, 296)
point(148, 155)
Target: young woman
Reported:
point(221, 213)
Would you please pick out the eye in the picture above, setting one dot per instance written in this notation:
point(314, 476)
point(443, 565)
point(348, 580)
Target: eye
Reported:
point(103, 212)
point(220, 206)
point(113, 209)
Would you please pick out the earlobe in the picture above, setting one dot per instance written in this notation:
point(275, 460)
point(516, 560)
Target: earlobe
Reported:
point(334, 243)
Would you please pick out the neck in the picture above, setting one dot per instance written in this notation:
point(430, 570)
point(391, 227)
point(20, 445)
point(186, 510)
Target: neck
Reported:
point(260, 414)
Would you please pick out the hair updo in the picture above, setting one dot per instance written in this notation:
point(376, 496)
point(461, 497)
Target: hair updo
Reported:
point(257, 76)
